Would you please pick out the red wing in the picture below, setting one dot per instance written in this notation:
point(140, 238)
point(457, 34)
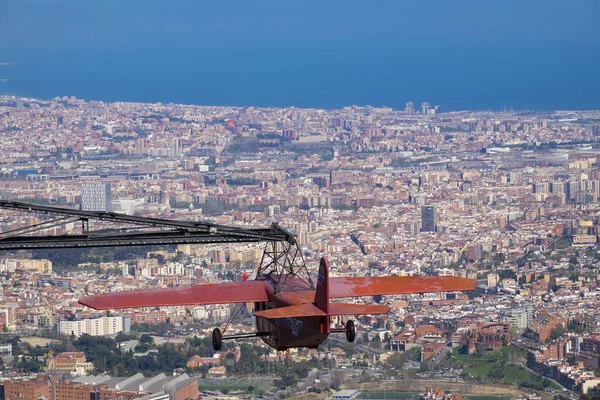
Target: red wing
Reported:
point(382, 285)
point(212, 293)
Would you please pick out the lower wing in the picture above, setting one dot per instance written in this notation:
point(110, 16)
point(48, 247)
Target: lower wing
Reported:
point(381, 285)
point(212, 293)
point(357, 309)
point(310, 310)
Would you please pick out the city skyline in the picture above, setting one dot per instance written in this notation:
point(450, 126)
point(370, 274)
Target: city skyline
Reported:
point(517, 208)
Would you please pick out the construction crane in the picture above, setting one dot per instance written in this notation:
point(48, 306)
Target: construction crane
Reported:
point(282, 254)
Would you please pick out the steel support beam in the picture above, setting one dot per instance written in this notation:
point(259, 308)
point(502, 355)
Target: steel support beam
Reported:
point(132, 231)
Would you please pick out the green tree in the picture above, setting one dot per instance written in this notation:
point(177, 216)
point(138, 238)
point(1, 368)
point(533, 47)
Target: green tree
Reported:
point(302, 369)
point(552, 286)
point(396, 360)
point(496, 373)
point(499, 258)
point(287, 377)
point(29, 364)
point(147, 340)
point(249, 361)
point(414, 353)
point(507, 274)
point(230, 360)
point(376, 342)
point(122, 337)
point(531, 362)
point(556, 332)
point(573, 260)
point(99, 365)
point(169, 358)
point(141, 348)
point(365, 376)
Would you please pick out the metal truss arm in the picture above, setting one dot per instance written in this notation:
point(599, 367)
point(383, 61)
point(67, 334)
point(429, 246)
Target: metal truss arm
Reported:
point(132, 239)
point(131, 219)
point(165, 232)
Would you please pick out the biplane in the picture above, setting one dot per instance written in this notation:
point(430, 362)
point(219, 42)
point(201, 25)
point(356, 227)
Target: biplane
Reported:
point(290, 310)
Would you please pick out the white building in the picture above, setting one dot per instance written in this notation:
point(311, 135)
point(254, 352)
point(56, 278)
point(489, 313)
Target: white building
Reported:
point(126, 206)
point(95, 197)
point(95, 326)
point(520, 318)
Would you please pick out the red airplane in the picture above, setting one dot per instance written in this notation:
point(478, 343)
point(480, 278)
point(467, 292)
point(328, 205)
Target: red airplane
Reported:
point(289, 310)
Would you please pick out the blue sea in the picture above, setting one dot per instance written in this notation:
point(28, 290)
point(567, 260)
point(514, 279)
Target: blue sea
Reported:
point(465, 55)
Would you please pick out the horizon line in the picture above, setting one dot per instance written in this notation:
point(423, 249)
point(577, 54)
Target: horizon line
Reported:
point(502, 110)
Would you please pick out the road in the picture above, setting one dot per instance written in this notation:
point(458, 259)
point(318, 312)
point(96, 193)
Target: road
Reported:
point(358, 346)
point(435, 361)
point(309, 381)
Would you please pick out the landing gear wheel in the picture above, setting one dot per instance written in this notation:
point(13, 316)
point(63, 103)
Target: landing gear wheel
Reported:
point(217, 339)
point(350, 331)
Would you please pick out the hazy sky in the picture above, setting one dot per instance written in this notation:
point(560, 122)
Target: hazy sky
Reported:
point(542, 43)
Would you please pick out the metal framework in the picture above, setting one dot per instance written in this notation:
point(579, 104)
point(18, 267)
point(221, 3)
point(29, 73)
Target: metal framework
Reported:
point(284, 263)
point(282, 259)
point(133, 230)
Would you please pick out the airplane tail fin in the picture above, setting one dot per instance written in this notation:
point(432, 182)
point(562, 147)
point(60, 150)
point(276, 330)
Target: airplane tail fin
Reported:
point(322, 291)
point(322, 297)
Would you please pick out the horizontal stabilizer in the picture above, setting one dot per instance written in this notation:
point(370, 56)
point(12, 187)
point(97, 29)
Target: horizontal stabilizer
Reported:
point(356, 309)
point(212, 293)
point(301, 310)
point(381, 285)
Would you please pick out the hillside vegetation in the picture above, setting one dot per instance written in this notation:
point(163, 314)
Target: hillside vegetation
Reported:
point(505, 366)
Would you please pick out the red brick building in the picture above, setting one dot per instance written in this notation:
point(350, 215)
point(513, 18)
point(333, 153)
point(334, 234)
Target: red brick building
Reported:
point(196, 361)
point(554, 351)
point(28, 390)
point(543, 323)
point(488, 337)
point(153, 317)
point(183, 386)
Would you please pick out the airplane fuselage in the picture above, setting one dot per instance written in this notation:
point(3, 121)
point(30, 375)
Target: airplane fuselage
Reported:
point(288, 332)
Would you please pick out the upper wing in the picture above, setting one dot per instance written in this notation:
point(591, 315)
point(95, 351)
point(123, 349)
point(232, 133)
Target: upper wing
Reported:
point(382, 285)
point(212, 293)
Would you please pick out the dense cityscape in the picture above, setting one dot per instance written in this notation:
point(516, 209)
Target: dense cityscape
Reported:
point(510, 199)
